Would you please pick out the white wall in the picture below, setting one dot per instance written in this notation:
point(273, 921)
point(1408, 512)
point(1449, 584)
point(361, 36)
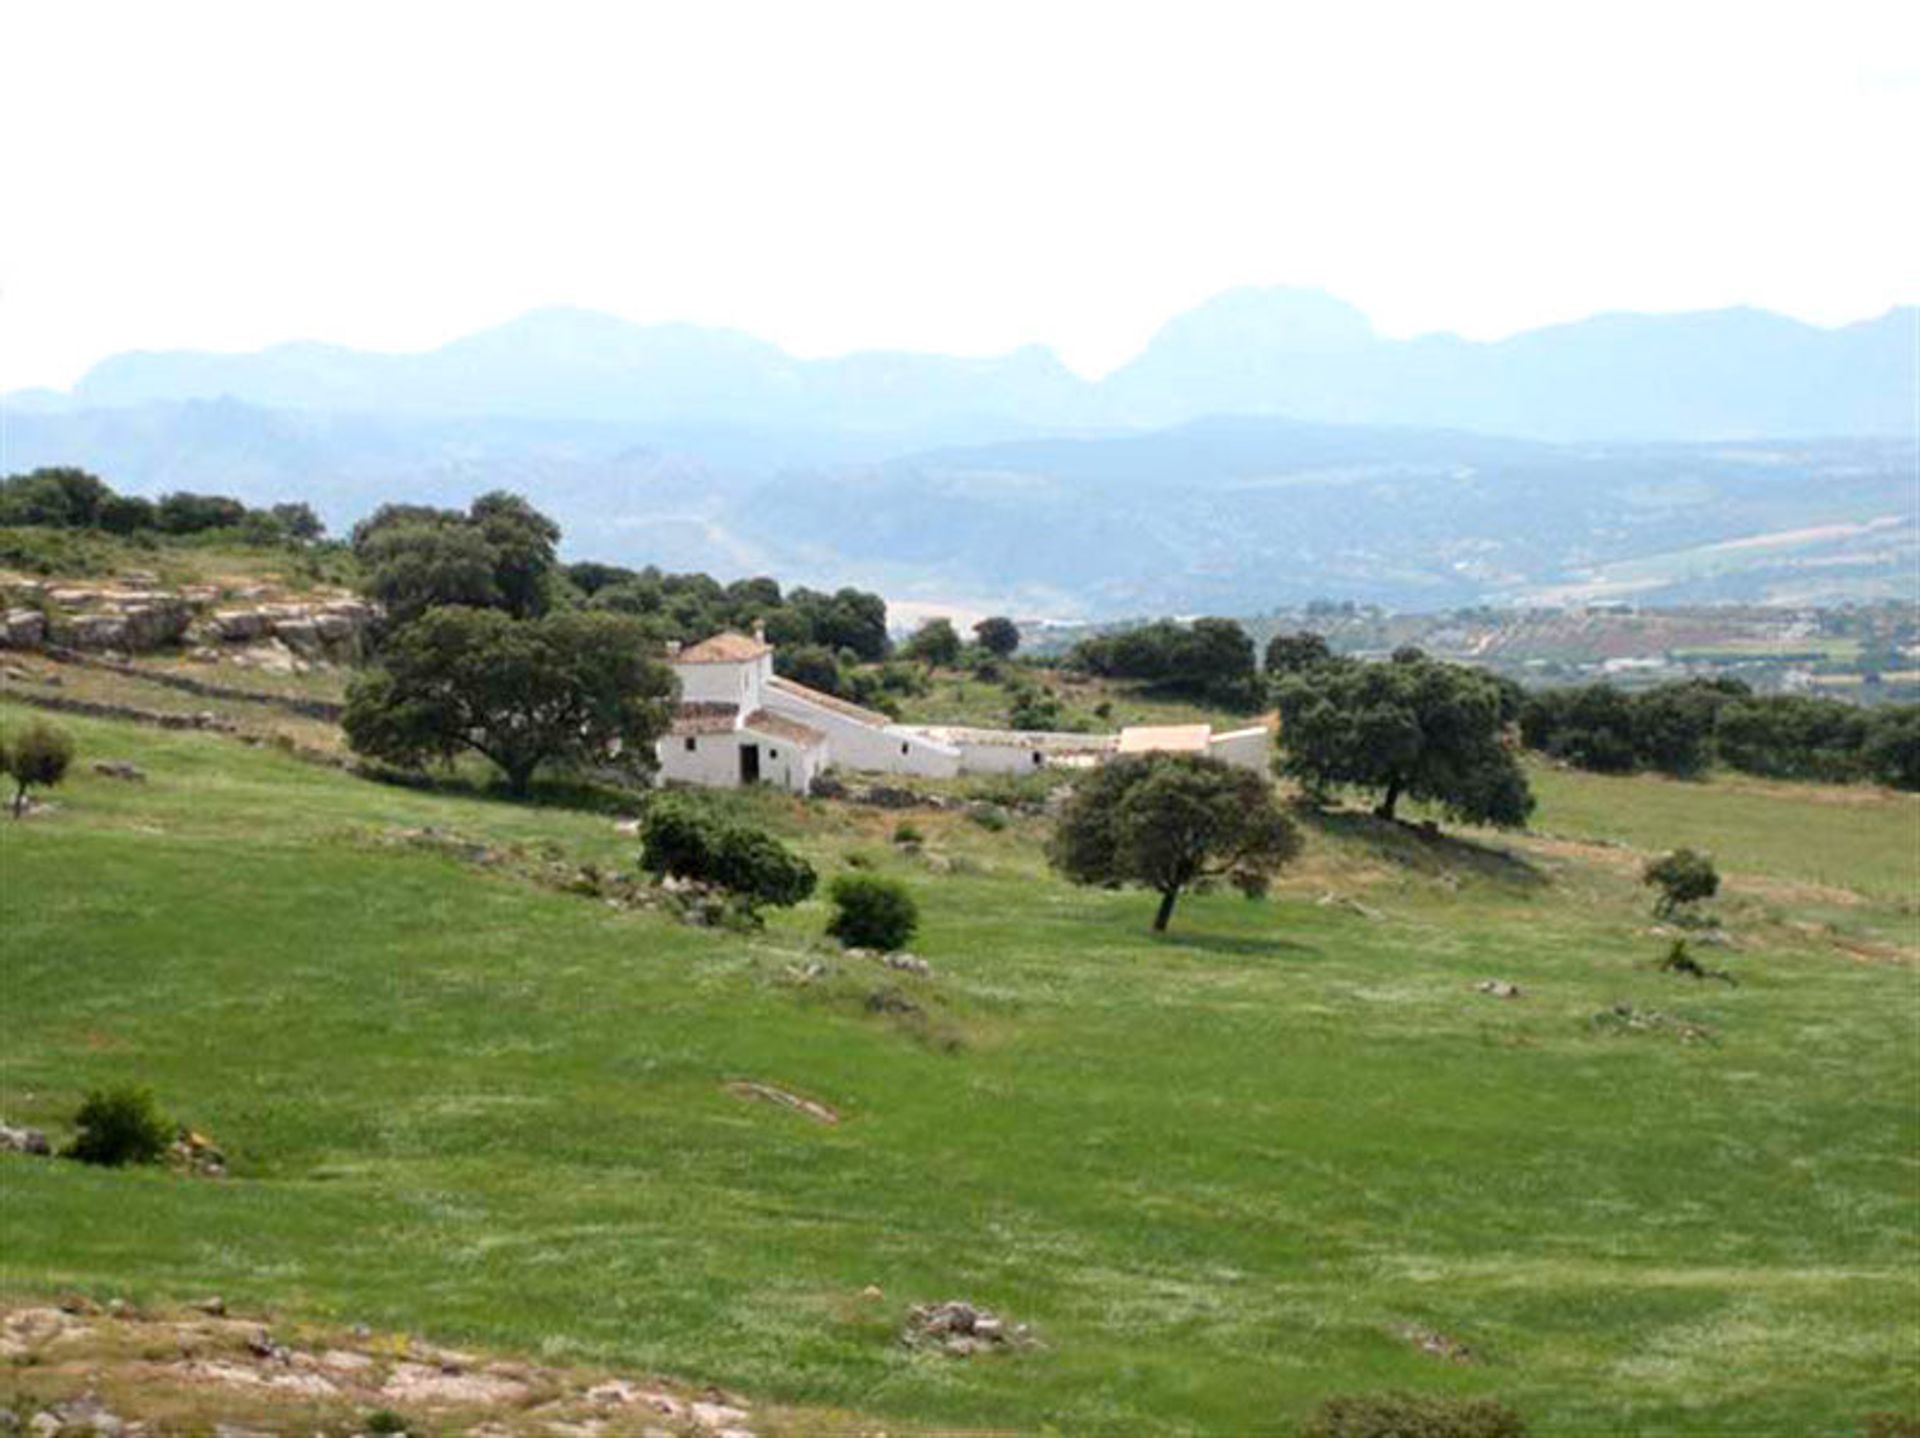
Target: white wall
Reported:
point(855, 745)
point(785, 764)
point(713, 762)
point(1244, 749)
point(725, 683)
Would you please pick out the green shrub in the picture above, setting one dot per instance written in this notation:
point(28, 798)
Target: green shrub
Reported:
point(1405, 1415)
point(38, 756)
point(53, 551)
point(990, 817)
point(872, 912)
point(1683, 876)
point(682, 838)
point(758, 869)
point(907, 832)
point(385, 1420)
point(120, 1126)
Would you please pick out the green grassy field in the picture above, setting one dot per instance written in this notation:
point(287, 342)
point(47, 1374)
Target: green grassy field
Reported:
point(1222, 1174)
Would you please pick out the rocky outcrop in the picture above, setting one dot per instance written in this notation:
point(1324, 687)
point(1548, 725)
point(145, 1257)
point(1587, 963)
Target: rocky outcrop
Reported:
point(23, 629)
point(139, 620)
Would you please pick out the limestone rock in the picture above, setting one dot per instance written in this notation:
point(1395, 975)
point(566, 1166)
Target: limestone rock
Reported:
point(24, 1140)
point(23, 629)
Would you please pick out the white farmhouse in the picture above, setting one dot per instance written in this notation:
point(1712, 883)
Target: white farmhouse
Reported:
point(740, 723)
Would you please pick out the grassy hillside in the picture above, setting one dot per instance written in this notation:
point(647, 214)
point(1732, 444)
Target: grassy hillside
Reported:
point(1223, 1175)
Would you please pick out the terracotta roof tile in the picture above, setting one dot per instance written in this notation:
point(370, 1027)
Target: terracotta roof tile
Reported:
point(726, 647)
point(776, 726)
point(1165, 738)
point(703, 717)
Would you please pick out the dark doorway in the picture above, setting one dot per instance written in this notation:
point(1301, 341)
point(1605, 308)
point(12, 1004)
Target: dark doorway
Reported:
point(749, 763)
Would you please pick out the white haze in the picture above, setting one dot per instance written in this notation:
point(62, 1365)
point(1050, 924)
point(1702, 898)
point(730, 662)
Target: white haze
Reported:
point(959, 177)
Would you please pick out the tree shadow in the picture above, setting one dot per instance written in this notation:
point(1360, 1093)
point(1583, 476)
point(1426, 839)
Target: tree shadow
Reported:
point(1238, 945)
point(578, 795)
point(1423, 848)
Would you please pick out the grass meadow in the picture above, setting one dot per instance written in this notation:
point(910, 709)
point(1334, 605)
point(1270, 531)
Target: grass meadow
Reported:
point(1224, 1174)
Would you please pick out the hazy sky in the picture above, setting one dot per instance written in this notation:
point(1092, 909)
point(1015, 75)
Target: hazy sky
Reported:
point(964, 177)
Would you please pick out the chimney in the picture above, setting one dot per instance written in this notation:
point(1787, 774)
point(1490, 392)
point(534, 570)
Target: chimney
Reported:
point(673, 648)
point(760, 630)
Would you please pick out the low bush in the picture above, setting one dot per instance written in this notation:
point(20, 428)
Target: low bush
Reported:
point(119, 1126)
point(872, 912)
point(1683, 877)
point(682, 838)
point(38, 757)
point(907, 832)
point(1407, 1415)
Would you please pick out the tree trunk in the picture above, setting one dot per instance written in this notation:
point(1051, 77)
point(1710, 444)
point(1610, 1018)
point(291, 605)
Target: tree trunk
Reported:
point(1392, 797)
point(1167, 898)
point(520, 778)
point(20, 799)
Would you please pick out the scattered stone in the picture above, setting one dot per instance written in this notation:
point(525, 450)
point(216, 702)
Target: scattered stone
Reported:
point(24, 1140)
point(961, 1330)
point(1624, 1018)
point(1332, 900)
point(85, 1414)
point(908, 963)
point(1427, 1340)
point(1499, 988)
point(120, 769)
point(719, 1416)
point(819, 1112)
point(195, 1154)
point(419, 1383)
point(261, 1345)
point(872, 1290)
point(215, 1306)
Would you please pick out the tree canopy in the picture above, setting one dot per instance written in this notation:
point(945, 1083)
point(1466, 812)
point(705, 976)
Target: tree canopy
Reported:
point(1292, 653)
point(63, 497)
point(935, 642)
point(1209, 658)
point(499, 554)
point(997, 635)
point(1412, 727)
point(1169, 822)
point(569, 688)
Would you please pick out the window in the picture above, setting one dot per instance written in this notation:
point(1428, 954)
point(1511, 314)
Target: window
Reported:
point(692, 743)
point(904, 749)
point(773, 753)
point(1036, 756)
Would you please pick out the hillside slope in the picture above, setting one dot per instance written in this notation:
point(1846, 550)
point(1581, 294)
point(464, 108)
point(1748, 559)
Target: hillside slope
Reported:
point(1288, 1151)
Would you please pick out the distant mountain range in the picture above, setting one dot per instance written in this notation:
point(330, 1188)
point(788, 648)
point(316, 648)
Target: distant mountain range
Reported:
point(1265, 449)
point(1711, 375)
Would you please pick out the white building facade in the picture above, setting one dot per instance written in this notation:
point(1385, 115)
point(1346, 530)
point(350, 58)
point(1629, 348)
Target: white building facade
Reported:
point(740, 723)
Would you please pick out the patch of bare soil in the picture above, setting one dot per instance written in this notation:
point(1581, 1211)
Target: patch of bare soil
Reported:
point(76, 1368)
point(818, 1112)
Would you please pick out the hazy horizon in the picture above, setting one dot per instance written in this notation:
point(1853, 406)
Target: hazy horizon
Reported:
point(1054, 350)
point(937, 179)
